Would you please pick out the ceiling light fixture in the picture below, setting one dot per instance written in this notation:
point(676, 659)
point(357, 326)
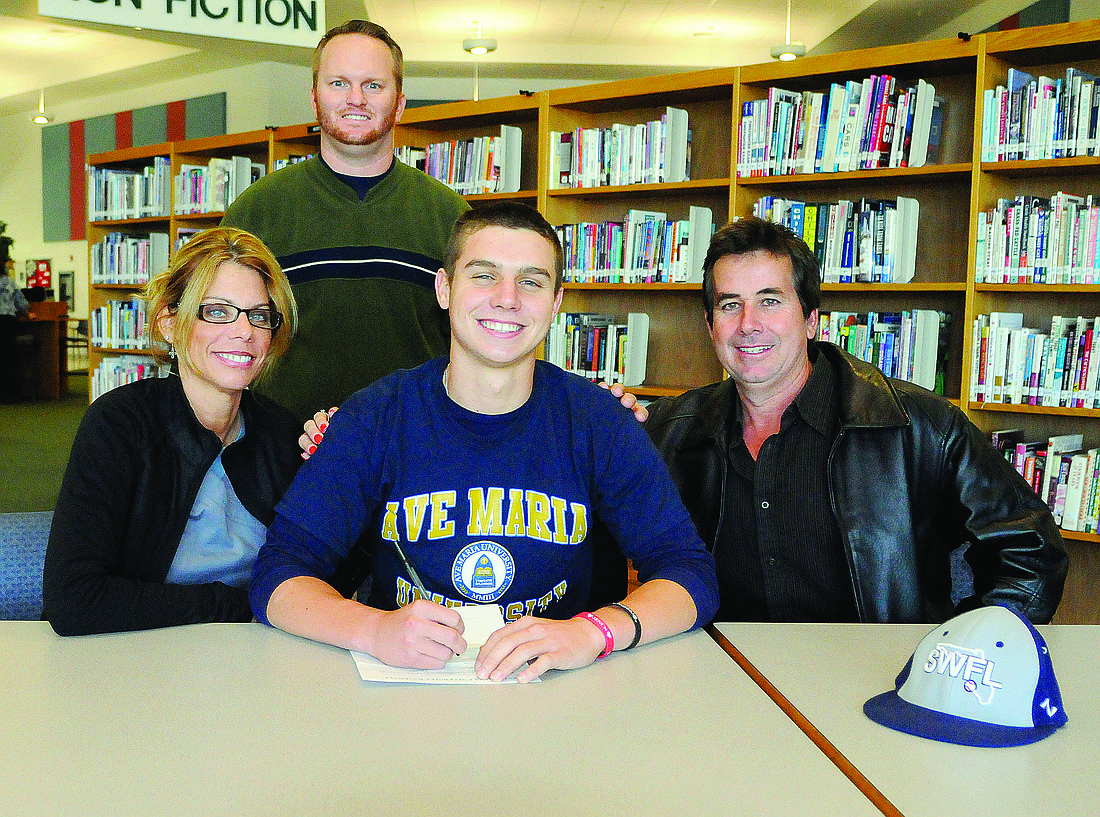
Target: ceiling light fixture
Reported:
point(788, 51)
point(479, 45)
point(42, 118)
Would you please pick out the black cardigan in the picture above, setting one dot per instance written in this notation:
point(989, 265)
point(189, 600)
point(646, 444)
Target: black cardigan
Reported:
point(136, 465)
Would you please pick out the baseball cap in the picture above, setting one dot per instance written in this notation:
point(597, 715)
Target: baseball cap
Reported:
point(983, 678)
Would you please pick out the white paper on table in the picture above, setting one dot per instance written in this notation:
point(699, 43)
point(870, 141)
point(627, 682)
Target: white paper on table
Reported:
point(480, 621)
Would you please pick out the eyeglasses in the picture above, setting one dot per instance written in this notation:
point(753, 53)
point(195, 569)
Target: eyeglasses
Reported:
point(261, 317)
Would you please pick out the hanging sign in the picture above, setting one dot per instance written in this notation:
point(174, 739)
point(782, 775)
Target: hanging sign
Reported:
point(286, 22)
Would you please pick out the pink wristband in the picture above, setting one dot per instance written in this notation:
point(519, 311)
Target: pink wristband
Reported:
point(608, 636)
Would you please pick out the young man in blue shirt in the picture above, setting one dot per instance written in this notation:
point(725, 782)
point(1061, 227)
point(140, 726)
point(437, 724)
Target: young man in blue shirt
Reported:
point(476, 479)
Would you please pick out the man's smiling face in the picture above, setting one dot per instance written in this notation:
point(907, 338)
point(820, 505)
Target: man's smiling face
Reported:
point(760, 334)
point(356, 99)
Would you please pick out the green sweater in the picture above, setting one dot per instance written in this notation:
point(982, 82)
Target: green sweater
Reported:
point(363, 275)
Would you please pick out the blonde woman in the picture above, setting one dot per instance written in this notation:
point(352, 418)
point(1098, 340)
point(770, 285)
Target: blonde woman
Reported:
point(172, 481)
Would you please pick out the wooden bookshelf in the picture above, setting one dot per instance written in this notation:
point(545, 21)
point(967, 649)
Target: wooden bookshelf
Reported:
point(951, 192)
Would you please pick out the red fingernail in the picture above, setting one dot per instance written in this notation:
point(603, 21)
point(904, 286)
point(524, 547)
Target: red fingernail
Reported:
point(323, 427)
point(317, 438)
point(312, 449)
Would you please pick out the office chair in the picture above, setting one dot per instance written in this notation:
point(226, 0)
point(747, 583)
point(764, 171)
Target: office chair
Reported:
point(23, 538)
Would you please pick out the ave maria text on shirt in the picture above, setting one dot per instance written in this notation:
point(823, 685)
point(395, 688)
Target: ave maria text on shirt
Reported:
point(482, 571)
point(527, 513)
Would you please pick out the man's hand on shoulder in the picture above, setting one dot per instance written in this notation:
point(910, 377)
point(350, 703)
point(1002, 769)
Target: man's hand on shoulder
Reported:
point(628, 400)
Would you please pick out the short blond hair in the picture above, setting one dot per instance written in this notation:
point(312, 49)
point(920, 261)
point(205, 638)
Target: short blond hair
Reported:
point(179, 290)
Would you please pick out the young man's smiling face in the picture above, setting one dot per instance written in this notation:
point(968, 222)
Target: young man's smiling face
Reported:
point(501, 297)
point(356, 99)
point(760, 334)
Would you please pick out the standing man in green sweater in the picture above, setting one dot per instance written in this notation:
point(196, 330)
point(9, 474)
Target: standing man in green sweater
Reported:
point(359, 234)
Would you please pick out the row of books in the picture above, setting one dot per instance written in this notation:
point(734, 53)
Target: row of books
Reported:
point(645, 153)
point(212, 188)
point(183, 235)
point(119, 258)
point(1064, 476)
point(292, 159)
point(113, 372)
point(597, 347)
point(855, 125)
point(1036, 240)
point(1011, 363)
point(1041, 117)
point(872, 240)
point(482, 164)
point(908, 345)
point(118, 325)
point(645, 247)
point(123, 193)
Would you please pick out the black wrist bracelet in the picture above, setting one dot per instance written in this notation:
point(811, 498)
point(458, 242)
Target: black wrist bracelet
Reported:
point(634, 618)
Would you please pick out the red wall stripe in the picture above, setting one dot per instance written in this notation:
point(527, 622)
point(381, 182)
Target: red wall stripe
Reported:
point(78, 196)
point(124, 130)
point(177, 121)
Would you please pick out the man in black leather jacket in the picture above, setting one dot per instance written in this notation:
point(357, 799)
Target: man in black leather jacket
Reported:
point(827, 491)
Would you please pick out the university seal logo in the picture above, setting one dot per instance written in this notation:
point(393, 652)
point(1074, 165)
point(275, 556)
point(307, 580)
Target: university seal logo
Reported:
point(483, 571)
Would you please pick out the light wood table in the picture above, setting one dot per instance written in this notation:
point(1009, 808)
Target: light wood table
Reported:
point(827, 671)
point(240, 719)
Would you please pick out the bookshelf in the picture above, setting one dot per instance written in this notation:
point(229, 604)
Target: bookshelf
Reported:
point(680, 353)
point(1047, 50)
point(450, 121)
point(941, 187)
point(260, 146)
point(102, 225)
point(951, 189)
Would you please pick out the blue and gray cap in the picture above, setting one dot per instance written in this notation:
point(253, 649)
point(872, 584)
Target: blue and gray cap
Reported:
point(984, 678)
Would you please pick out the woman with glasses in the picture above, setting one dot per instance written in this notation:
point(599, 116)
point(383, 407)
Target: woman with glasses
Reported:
point(172, 481)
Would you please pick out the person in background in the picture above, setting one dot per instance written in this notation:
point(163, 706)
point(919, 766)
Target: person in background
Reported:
point(12, 304)
point(476, 479)
point(172, 481)
point(825, 490)
point(359, 234)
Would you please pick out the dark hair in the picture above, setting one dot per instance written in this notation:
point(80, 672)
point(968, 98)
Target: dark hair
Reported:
point(752, 234)
point(371, 30)
point(510, 214)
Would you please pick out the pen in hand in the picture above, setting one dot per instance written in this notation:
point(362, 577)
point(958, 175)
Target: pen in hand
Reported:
point(414, 576)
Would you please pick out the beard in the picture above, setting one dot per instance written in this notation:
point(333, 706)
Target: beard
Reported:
point(332, 126)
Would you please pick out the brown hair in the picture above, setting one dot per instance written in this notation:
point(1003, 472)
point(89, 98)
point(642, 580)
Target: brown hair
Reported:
point(179, 290)
point(510, 214)
point(371, 30)
point(752, 234)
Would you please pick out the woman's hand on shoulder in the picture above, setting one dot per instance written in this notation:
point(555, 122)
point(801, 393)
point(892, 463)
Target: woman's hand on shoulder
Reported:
point(314, 431)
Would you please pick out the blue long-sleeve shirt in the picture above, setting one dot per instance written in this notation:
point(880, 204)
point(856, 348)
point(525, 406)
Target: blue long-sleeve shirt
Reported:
point(488, 509)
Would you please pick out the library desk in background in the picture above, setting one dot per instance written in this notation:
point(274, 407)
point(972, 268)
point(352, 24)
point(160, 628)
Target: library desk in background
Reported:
point(41, 356)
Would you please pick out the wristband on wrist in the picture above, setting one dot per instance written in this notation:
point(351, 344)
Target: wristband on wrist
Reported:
point(637, 624)
point(608, 636)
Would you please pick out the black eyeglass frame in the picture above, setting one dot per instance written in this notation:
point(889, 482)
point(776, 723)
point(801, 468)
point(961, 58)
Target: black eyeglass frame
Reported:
point(267, 312)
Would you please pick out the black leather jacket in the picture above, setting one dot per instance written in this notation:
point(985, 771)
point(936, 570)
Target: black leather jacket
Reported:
point(910, 479)
point(137, 462)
